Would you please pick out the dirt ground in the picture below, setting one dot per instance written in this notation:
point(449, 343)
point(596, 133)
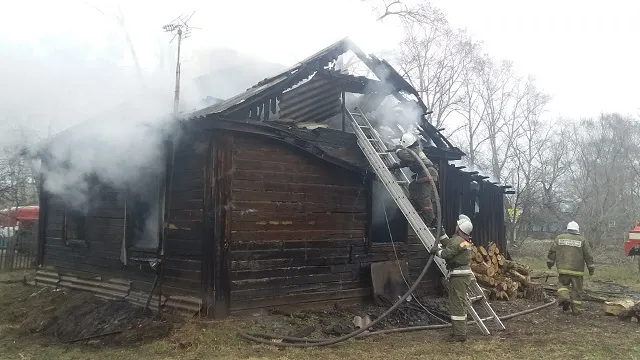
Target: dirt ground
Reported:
point(39, 324)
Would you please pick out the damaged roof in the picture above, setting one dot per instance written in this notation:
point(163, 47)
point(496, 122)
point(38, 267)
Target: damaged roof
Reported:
point(261, 97)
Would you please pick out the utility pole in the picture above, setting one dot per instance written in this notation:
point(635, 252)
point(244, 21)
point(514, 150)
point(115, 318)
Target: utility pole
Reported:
point(181, 30)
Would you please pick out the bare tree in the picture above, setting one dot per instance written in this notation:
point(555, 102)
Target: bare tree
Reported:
point(603, 186)
point(501, 94)
point(433, 57)
point(472, 109)
point(525, 172)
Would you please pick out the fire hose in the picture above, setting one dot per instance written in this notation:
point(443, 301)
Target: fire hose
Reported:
point(295, 342)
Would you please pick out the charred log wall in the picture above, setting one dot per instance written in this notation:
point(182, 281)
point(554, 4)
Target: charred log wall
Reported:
point(105, 229)
point(299, 229)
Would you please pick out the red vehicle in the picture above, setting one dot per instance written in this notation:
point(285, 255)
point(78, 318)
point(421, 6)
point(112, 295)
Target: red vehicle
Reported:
point(632, 245)
point(23, 215)
point(19, 224)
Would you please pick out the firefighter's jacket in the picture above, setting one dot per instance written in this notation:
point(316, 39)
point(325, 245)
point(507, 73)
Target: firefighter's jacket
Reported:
point(570, 253)
point(408, 160)
point(457, 254)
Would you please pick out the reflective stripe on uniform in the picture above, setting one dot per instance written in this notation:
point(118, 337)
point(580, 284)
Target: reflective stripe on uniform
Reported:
point(577, 302)
point(461, 272)
point(562, 289)
point(570, 272)
point(570, 242)
point(458, 318)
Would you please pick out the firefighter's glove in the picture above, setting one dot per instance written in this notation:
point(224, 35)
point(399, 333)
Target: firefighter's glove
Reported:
point(591, 271)
point(395, 166)
point(435, 248)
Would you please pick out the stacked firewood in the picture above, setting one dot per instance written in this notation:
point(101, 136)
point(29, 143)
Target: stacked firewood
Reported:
point(503, 279)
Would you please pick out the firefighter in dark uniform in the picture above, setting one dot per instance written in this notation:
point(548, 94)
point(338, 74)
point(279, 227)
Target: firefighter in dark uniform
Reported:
point(421, 192)
point(570, 252)
point(456, 251)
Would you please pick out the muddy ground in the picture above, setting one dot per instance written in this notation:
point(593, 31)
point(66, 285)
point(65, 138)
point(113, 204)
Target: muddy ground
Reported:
point(40, 323)
point(76, 317)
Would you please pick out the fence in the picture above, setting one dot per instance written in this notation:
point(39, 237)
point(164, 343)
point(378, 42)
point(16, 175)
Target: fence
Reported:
point(18, 249)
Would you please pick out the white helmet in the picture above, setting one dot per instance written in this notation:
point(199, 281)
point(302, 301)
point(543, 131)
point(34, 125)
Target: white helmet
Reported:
point(464, 217)
point(573, 226)
point(465, 226)
point(408, 139)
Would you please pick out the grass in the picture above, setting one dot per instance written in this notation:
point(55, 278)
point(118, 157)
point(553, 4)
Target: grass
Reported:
point(545, 335)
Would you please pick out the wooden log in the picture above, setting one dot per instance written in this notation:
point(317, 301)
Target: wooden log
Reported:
point(485, 280)
point(500, 259)
point(516, 276)
point(478, 258)
point(615, 307)
point(484, 269)
point(483, 251)
point(502, 295)
point(512, 265)
point(493, 249)
point(534, 291)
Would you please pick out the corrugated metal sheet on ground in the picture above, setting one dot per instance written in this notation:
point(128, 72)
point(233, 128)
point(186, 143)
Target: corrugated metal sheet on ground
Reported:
point(116, 289)
point(185, 303)
point(139, 298)
point(47, 278)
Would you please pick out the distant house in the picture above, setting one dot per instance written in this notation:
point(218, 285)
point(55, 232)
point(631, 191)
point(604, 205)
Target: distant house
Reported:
point(271, 203)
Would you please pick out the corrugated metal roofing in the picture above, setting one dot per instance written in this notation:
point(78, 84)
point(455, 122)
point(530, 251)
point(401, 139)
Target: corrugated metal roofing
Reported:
point(281, 82)
point(316, 100)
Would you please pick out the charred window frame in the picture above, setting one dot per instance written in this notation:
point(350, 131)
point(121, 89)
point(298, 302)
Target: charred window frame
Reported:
point(142, 217)
point(385, 229)
point(74, 219)
point(74, 228)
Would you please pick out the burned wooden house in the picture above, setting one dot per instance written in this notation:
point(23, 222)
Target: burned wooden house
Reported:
point(268, 202)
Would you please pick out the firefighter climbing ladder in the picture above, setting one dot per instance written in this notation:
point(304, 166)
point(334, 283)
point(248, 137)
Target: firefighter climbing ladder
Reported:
point(396, 183)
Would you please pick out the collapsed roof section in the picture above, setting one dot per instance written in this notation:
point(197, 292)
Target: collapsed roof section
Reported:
point(313, 92)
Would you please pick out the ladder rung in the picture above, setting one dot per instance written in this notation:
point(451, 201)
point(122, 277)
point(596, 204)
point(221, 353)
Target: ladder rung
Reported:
point(476, 298)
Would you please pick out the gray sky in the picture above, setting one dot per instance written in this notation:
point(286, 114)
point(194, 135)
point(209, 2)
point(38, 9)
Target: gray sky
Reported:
point(583, 53)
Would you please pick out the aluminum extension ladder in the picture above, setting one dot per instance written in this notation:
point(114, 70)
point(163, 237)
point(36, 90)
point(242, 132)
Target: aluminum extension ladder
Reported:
point(396, 183)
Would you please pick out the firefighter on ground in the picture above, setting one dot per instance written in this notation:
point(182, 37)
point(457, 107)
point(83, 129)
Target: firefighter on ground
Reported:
point(456, 251)
point(570, 252)
point(421, 192)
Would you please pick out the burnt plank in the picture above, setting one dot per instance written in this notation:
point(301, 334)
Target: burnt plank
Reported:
point(267, 185)
point(294, 271)
point(223, 175)
point(239, 216)
point(284, 177)
point(240, 295)
point(292, 253)
point(292, 208)
point(306, 244)
point(244, 265)
point(300, 298)
point(310, 197)
point(296, 235)
point(279, 225)
point(265, 283)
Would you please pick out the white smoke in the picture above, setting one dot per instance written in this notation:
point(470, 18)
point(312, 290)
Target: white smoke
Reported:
point(115, 123)
point(120, 147)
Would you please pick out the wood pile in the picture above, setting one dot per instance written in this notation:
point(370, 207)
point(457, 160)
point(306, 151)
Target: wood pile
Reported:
point(504, 279)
